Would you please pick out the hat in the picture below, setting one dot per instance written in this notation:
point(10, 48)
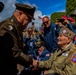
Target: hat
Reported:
point(71, 19)
point(66, 32)
point(64, 17)
point(26, 9)
point(1, 6)
point(74, 14)
point(40, 43)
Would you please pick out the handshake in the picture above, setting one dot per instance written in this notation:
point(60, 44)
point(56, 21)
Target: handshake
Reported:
point(35, 64)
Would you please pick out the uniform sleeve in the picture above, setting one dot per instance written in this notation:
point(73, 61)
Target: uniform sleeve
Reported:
point(10, 43)
point(46, 64)
point(69, 68)
point(18, 54)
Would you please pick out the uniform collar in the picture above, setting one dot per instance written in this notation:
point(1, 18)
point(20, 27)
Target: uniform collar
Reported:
point(69, 46)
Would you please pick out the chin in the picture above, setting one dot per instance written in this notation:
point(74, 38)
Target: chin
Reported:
point(59, 43)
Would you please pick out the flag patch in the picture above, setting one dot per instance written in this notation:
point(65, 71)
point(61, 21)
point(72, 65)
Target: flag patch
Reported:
point(47, 54)
point(74, 58)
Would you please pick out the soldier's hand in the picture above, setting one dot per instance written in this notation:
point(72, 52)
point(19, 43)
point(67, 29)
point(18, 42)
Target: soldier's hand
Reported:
point(51, 54)
point(35, 63)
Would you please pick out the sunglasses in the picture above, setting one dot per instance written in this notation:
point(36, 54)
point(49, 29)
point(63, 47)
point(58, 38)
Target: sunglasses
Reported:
point(45, 22)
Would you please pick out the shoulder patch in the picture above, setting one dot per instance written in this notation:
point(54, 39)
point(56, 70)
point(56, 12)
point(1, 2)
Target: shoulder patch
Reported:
point(10, 27)
point(74, 58)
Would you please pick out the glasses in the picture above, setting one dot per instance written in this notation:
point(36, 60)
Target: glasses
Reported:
point(45, 22)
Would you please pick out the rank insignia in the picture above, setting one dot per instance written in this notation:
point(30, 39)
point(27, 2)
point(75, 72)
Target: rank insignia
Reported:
point(10, 27)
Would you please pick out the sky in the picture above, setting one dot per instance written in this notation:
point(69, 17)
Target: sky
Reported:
point(43, 7)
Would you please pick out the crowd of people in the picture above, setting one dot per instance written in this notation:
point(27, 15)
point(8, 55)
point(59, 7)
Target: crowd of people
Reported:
point(51, 50)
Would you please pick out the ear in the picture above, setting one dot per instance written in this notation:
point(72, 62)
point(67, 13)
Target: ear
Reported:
point(20, 12)
point(69, 40)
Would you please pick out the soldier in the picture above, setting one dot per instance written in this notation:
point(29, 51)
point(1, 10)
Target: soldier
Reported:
point(63, 62)
point(11, 40)
point(1, 6)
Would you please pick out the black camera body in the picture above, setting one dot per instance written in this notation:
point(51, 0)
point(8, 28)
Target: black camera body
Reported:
point(60, 20)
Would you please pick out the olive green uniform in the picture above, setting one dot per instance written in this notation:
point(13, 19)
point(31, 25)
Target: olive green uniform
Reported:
point(12, 47)
point(62, 62)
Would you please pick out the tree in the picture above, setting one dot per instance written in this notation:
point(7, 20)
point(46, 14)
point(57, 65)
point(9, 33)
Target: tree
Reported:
point(70, 6)
point(56, 15)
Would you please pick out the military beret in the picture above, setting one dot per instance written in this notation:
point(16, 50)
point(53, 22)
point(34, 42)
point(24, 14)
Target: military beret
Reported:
point(64, 17)
point(1, 6)
point(40, 43)
point(26, 9)
point(67, 32)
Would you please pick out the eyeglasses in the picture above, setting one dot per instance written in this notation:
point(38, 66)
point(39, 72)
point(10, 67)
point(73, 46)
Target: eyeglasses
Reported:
point(45, 22)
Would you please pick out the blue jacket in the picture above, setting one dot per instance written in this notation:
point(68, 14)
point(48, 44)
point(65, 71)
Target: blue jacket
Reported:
point(44, 55)
point(70, 26)
point(30, 43)
point(50, 38)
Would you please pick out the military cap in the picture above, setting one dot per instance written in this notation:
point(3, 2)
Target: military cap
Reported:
point(74, 13)
point(1, 6)
point(40, 43)
point(67, 32)
point(26, 9)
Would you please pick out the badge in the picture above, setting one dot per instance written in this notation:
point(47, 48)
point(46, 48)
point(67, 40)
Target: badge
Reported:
point(54, 28)
point(64, 31)
point(47, 54)
point(10, 27)
point(74, 58)
point(31, 43)
point(64, 54)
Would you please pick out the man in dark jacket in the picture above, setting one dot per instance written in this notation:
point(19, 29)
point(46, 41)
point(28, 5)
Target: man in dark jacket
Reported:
point(49, 36)
point(11, 40)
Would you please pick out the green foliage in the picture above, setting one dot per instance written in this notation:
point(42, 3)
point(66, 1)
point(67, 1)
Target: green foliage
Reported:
point(56, 15)
point(70, 6)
